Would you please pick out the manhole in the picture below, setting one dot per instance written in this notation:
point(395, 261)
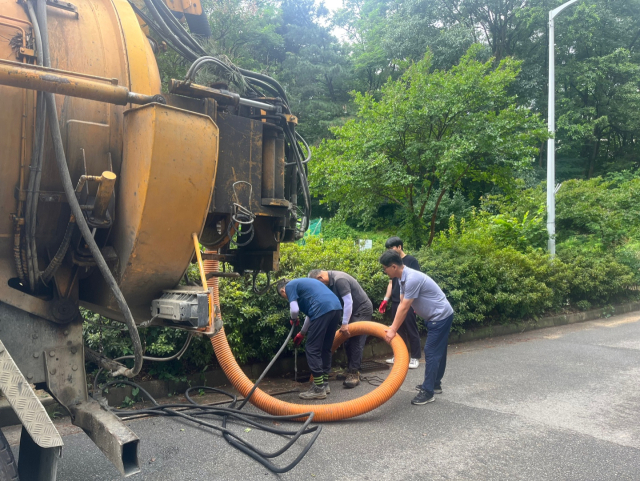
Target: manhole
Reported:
point(370, 366)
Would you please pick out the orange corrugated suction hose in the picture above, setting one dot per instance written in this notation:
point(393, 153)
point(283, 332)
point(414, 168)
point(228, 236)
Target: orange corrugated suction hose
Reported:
point(322, 412)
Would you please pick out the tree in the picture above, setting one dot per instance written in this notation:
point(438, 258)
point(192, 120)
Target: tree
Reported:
point(364, 22)
point(317, 68)
point(428, 132)
point(245, 32)
point(599, 89)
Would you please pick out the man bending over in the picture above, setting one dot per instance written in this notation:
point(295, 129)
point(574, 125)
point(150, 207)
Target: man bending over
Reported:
point(324, 312)
point(356, 307)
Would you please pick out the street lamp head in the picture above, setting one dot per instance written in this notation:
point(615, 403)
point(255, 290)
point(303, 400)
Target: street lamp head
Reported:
point(556, 11)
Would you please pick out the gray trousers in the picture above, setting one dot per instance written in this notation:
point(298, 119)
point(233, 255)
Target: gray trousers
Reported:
point(354, 347)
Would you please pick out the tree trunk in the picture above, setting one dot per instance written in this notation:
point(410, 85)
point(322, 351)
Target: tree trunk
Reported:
point(434, 216)
point(592, 159)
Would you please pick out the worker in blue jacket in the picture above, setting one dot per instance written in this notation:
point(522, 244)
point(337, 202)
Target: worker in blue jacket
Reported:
point(323, 315)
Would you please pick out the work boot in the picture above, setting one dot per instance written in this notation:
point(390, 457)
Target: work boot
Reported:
point(314, 392)
point(353, 379)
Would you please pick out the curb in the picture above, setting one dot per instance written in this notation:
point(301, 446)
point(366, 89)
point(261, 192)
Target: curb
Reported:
point(374, 348)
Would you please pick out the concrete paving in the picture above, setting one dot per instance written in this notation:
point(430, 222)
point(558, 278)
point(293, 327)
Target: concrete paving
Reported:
point(556, 404)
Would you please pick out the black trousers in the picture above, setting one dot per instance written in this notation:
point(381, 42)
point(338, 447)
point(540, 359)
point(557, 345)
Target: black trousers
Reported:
point(354, 347)
point(319, 341)
point(409, 331)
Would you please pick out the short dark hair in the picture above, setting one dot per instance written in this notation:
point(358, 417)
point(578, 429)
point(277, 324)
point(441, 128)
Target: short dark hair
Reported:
point(394, 242)
point(314, 273)
point(282, 283)
point(391, 257)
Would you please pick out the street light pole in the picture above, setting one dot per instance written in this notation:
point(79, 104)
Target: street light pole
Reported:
point(551, 143)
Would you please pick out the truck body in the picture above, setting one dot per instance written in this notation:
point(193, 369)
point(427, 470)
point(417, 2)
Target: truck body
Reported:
point(149, 170)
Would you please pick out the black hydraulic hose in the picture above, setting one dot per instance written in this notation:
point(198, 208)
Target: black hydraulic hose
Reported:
point(232, 438)
point(166, 32)
point(267, 79)
point(301, 175)
point(37, 155)
point(306, 146)
point(178, 29)
point(69, 191)
point(171, 40)
point(177, 355)
point(265, 86)
point(41, 13)
point(199, 63)
point(266, 369)
point(268, 464)
point(57, 259)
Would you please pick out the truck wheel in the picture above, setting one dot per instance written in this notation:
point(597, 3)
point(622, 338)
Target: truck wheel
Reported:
point(8, 466)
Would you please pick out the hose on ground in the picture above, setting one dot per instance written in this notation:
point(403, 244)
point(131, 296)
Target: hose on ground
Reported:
point(193, 410)
point(323, 412)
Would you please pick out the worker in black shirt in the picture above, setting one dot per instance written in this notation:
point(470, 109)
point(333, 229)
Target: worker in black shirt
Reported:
point(409, 328)
point(356, 306)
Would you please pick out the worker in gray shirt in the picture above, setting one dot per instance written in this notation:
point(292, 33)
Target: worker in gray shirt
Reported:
point(419, 291)
point(356, 307)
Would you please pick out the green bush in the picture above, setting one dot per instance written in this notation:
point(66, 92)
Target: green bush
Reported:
point(486, 282)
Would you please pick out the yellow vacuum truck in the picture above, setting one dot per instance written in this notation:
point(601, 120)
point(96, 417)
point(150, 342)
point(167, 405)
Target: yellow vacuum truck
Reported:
point(105, 182)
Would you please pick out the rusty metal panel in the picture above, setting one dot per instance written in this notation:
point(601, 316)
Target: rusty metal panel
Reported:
point(268, 164)
point(240, 160)
point(166, 182)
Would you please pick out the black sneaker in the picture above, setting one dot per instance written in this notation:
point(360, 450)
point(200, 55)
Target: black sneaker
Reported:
point(423, 397)
point(314, 392)
point(436, 390)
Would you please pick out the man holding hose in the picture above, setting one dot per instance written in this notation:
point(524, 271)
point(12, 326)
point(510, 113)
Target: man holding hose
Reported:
point(356, 307)
point(324, 312)
point(419, 291)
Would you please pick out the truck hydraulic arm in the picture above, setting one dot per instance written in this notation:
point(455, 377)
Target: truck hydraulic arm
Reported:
point(73, 84)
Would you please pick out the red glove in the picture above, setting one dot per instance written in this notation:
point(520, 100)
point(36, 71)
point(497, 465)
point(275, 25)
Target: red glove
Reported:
point(297, 340)
point(383, 307)
point(296, 321)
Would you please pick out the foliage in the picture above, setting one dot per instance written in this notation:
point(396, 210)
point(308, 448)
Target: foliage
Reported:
point(492, 277)
point(429, 131)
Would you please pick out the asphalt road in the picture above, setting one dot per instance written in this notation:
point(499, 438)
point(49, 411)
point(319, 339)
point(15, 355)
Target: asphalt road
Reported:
point(557, 404)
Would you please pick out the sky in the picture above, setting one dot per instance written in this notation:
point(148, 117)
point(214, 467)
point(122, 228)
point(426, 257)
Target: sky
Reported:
point(333, 5)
